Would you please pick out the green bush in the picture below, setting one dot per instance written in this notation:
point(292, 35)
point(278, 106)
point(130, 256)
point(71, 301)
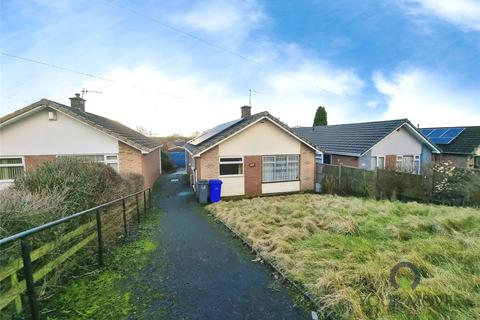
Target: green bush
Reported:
point(168, 164)
point(60, 188)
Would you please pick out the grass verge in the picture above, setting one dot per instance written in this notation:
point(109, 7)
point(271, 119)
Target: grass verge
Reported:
point(342, 250)
point(107, 294)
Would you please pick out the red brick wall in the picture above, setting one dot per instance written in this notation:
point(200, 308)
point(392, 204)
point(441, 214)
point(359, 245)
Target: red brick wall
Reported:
point(33, 161)
point(253, 175)
point(344, 160)
point(133, 161)
point(209, 164)
point(307, 168)
point(130, 159)
point(151, 167)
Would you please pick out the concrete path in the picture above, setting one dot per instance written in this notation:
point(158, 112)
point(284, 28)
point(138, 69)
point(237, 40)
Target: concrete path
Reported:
point(200, 271)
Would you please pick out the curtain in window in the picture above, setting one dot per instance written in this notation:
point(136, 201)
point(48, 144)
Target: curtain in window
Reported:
point(280, 168)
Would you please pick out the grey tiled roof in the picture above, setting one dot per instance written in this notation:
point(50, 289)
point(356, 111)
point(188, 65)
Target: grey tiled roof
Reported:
point(466, 143)
point(350, 139)
point(236, 126)
point(111, 127)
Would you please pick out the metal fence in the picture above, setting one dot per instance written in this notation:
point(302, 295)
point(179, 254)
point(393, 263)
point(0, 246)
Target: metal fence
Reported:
point(346, 180)
point(94, 223)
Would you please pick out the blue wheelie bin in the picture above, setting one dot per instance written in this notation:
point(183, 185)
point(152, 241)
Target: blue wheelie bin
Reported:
point(215, 190)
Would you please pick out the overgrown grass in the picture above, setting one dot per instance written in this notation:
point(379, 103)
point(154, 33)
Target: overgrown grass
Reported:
point(106, 294)
point(341, 249)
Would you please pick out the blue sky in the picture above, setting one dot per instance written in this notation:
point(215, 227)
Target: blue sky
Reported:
point(183, 66)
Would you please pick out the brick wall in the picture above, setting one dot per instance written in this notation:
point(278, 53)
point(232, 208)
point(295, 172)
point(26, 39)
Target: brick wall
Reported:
point(130, 159)
point(151, 167)
point(253, 175)
point(307, 168)
point(209, 164)
point(344, 160)
point(33, 161)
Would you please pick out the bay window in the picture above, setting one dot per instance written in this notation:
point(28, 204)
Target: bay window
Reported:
point(281, 168)
point(11, 168)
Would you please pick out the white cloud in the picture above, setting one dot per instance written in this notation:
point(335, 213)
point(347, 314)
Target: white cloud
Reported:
point(428, 99)
point(463, 13)
point(235, 18)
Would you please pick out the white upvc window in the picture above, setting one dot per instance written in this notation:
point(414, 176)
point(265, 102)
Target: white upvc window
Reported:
point(281, 168)
point(108, 159)
point(11, 168)
point(231, 166)
point(319, 158)
point(408, 163)
point(381, 162)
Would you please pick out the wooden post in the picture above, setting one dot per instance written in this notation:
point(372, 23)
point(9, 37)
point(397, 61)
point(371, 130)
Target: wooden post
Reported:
point(340, 177)
point(100, 238)
point(125, 224)
point(138, 208)
point(144, 202)
point(28, 272)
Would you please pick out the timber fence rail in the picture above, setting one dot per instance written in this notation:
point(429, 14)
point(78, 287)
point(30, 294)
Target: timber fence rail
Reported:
point(346, 180)
point(93, 229)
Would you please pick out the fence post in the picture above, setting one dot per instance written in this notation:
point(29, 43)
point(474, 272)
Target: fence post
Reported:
point(144, 202)
point(138, 208)
point(340, 176)
point(149, 198)
point(125, 225)
point(100, 238)
point(28, 271)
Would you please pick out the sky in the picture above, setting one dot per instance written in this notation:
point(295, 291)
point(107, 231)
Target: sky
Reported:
point(184, 66)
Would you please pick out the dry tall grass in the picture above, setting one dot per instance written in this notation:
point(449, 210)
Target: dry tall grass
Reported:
point(341, 249)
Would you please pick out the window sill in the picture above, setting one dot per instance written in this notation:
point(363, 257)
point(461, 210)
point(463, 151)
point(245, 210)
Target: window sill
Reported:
point(281, 181)
point(231, 176)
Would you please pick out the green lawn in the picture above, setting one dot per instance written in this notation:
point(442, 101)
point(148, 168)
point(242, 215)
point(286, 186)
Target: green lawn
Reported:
point(342, 249)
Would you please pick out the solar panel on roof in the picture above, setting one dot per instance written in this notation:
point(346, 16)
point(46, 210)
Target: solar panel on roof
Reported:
point(442, 135)
point(211, 132)
point(426, 132)
point(453, 132)
point(441, 140)
point(437, 133)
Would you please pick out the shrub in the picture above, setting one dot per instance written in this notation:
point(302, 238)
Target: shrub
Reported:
point(60, 188)
point(167, 163)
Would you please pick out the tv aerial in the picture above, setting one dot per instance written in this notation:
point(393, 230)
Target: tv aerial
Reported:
point(85, 91)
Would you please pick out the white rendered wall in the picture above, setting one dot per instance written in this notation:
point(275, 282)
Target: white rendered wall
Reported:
point(279, 187)
point(260, 139)
point(399, 142)
point(36, 135)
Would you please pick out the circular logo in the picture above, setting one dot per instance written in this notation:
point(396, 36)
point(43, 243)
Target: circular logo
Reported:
point(408, 265)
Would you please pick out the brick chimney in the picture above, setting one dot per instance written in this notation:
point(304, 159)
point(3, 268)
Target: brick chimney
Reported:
point(246, 111)
point(77, 102)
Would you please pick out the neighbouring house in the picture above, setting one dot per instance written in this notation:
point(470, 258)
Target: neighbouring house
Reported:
point(254, 155)
point(460, 145)
point(392, 145)
point(46, 130)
